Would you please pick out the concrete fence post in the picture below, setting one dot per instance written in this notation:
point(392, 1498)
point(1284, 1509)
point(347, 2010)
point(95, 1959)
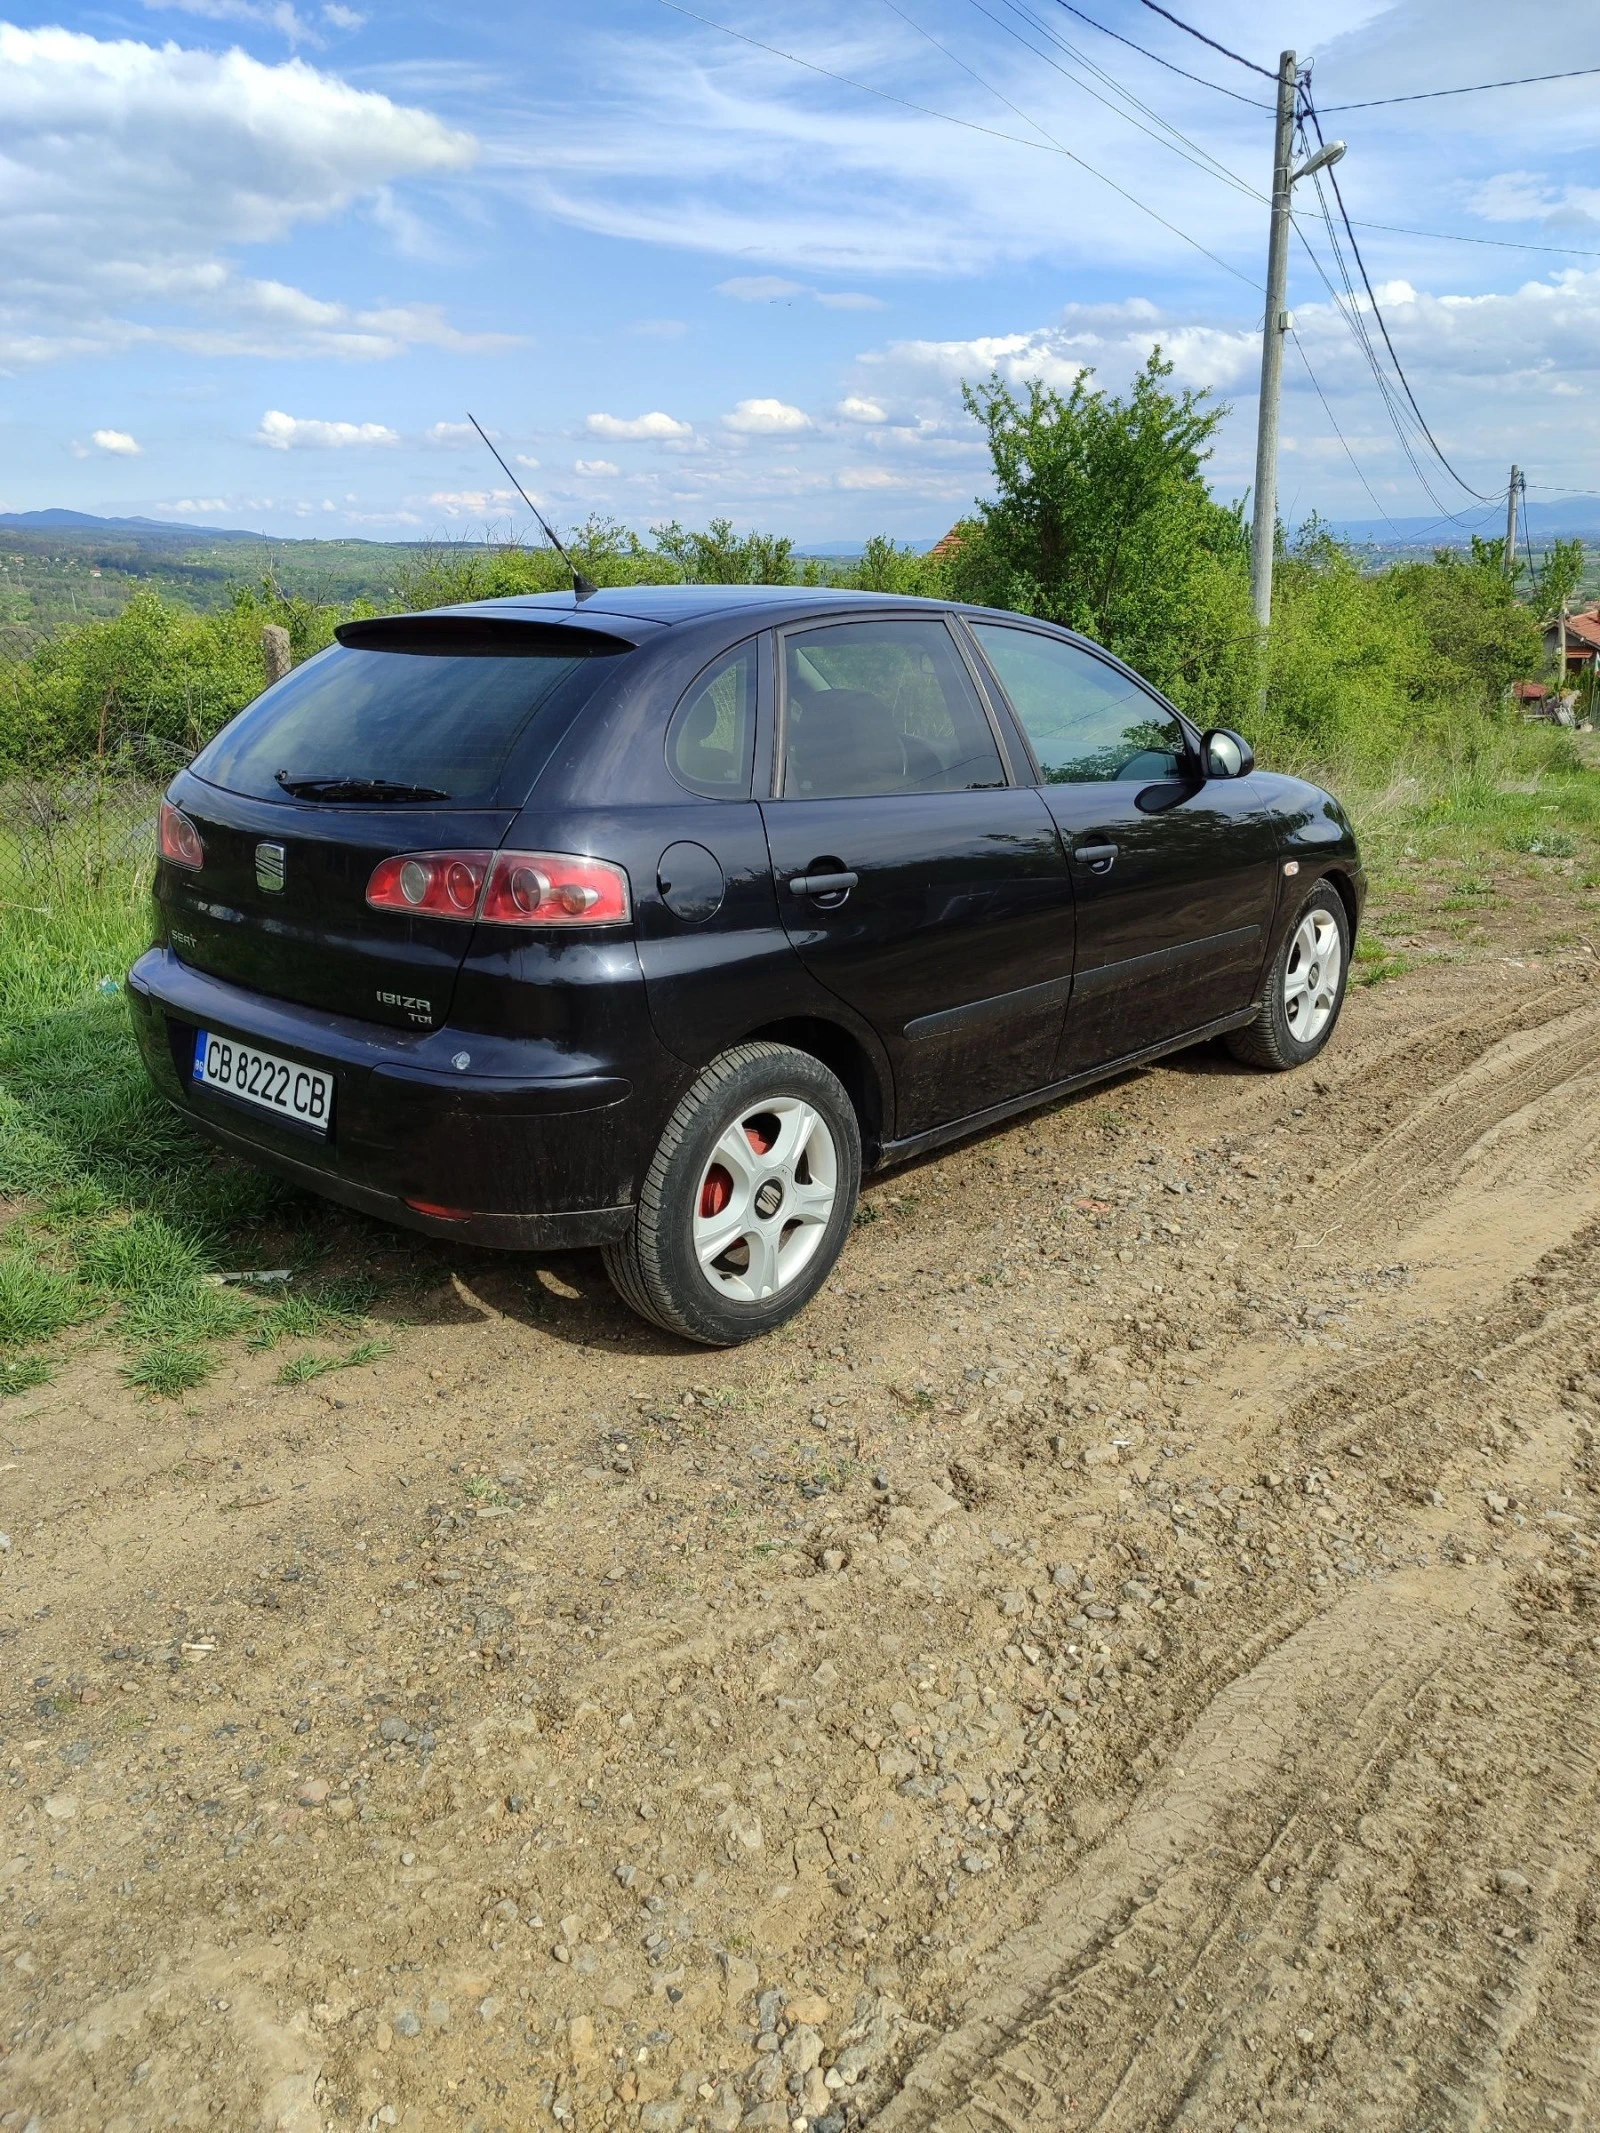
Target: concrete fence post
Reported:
point(275, 652)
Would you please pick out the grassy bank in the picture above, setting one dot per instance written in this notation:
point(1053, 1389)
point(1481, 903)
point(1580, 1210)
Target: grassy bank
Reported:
point(117, 1224)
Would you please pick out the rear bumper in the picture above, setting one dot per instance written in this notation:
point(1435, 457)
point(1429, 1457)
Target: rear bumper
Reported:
point(530, 1146)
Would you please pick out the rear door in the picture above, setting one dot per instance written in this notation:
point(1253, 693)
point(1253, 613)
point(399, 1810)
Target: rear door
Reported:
point(1175, 874)
point(424, 739)
point(914, 879)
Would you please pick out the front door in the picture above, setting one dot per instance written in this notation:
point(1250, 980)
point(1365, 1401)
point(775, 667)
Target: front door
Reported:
point(1175, 874)
point(915, 881)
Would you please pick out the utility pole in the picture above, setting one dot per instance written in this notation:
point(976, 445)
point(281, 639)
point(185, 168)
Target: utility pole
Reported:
point(1274, 326)
point(1512, 487)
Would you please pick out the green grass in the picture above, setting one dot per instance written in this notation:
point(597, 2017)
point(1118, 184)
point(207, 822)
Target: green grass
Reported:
point(35, 1301)
point(169, 1369)
point(301, 1318)
point(22, 1373)
point(128, 1213)
point(303, 1368)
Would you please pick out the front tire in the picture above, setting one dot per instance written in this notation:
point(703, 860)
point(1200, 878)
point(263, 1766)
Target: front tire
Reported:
point(1305, 988)
point(748, 1199)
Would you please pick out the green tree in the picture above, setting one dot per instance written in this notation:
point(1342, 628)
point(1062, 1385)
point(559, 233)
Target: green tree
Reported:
point(719, 556)
point(886, 568)
point(1102, 521)
point(1556, 578)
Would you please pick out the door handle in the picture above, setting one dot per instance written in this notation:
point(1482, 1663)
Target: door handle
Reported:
point(1098, 858)
point(832, 886)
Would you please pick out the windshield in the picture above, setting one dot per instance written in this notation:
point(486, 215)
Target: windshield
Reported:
point(443, 726)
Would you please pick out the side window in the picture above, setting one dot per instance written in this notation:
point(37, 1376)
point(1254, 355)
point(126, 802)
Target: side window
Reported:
point(712, 733)
point(1088, 723)
point(882, 707)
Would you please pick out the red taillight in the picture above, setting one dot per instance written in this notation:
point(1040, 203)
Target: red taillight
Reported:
point(180, 840)
point(503, 888)
point(430, 884)
point(440, 1214)
point(555, 889)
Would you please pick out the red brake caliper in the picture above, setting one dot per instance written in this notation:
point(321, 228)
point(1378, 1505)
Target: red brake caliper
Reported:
point(717, 1190)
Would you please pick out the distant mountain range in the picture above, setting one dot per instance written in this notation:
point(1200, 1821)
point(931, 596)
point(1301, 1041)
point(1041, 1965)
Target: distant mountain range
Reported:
point(86, 522)
point(1571, 517)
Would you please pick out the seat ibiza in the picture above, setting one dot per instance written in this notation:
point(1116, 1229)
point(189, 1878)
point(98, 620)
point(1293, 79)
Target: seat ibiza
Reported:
point(649, 921)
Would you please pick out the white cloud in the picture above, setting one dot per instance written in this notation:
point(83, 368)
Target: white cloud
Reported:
point(450, 433)
point(132, 173)
point(276, 15)
point(760, 288)
point(593, 467)
point(287, 432)
point(1525, 196)
point(523, 460)
point(619, 427)
point(873, 478)
point(855, 408)
point(470, 503)
point(774, 289)
point(118, 443)
point(766, 418)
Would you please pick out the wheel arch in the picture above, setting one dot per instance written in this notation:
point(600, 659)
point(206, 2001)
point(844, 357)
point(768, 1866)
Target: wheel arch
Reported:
point(1338, 879)
point(842, 1053)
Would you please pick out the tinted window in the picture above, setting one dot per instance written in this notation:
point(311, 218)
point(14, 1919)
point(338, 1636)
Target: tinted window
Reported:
point(712, 733)
point(447, 721)
point(1087, 721)
point(881, 707)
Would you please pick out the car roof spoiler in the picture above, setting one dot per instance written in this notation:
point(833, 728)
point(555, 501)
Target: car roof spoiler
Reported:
point(468, 636)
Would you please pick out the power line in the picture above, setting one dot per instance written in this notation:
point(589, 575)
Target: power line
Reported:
point(1339, 433)
point(1048, 146)
point(1171, 65)
point(1378, 315)
point(1473, 88)
point(1509, 244)
point(1350, 312)
point(1168, 136)
point(1527, 545)
point(1270, 73)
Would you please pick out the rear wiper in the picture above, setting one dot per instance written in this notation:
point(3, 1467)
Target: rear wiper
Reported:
point(346, 788)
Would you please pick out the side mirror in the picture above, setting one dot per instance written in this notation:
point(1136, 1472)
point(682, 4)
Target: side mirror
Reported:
point(1226, 754)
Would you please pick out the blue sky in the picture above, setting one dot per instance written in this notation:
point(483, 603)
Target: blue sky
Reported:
point(258, 257)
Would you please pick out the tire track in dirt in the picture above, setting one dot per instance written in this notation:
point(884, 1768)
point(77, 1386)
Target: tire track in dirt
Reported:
point(794, 1763)
point(1430, 1145)
point(1038, 2049)
point(1348, 1717)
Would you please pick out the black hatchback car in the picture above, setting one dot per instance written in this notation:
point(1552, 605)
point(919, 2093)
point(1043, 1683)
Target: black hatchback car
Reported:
point(645, 922)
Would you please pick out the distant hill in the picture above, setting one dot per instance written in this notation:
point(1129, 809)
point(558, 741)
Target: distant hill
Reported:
point(1573, 517)
point(85, 522)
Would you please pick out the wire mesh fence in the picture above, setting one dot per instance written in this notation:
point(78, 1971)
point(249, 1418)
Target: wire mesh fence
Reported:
point(76, 853)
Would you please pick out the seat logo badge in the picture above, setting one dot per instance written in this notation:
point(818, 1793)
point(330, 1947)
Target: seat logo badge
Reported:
point(269, 866)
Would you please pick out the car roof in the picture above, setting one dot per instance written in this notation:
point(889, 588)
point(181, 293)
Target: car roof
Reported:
point(669, 604)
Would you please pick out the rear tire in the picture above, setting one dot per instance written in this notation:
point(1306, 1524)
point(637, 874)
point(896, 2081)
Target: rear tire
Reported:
point(747, 1201)
point(1305, 988)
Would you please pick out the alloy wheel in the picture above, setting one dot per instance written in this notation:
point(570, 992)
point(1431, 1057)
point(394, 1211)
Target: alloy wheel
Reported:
point(1311, 975)
point(765, 1198)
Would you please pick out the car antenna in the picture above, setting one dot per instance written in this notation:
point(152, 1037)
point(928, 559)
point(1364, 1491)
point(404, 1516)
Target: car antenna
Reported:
point(582, 588)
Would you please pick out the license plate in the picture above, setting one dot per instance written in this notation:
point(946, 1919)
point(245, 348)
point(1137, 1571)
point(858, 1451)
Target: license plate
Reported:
point(299, 1093)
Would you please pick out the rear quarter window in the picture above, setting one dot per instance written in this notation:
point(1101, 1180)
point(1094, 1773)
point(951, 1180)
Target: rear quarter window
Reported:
point(711, 737)
point(465, 725)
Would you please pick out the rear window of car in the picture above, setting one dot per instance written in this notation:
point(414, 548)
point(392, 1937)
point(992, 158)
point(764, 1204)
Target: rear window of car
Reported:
point(464, 726)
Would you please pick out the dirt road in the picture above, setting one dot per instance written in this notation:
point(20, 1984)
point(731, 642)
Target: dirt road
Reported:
point(1126, 1659)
